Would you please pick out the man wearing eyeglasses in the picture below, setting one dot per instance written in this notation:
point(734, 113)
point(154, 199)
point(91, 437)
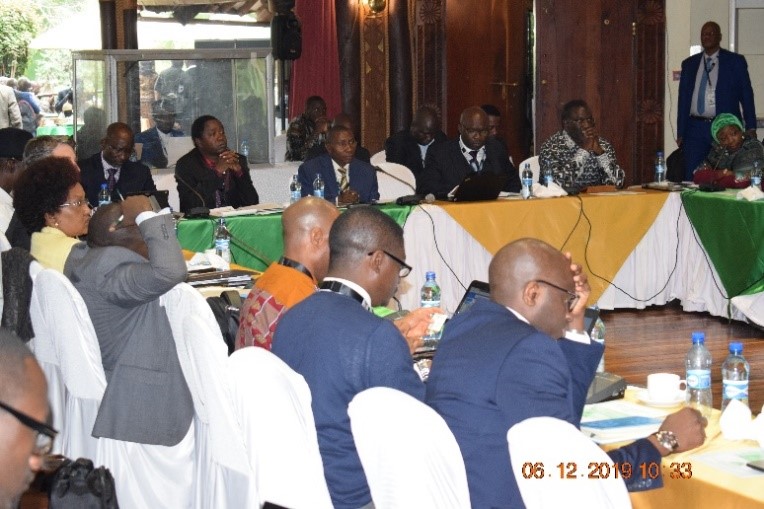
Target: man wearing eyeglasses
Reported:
point(347, 180)
point(501, 362)
point(577, 155)
point(341, 348)
point(448, 163)
point(25, 436)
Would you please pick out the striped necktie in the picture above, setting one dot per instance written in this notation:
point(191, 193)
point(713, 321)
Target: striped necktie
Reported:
point(474, 162)
point(344, 184)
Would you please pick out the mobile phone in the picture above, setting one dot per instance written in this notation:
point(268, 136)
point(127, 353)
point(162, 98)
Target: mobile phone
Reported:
point(758, 465)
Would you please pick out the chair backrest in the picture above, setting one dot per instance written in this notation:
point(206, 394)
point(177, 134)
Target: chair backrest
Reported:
point(535, 168)
point(409, 455)
point(395, 180)
point(550, 441)
point(378, 158)
point(279, 148)
point(273, 405)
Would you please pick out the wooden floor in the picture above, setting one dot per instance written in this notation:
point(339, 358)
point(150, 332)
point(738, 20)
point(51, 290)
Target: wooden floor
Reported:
point(649, 341)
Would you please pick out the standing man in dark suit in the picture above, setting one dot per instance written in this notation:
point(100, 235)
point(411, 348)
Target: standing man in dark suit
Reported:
point(131, 258)
point(153, 141)
point(346, 179)
point(448, 163)
point(409, 147)
point(212, 175)
point(520, 355)
point(712, 82)
point(112, 166)
point(12, 143)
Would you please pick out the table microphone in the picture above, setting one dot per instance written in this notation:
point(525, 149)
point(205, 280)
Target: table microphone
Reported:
point(380, 170)
point(201, 211)
point(415, 199)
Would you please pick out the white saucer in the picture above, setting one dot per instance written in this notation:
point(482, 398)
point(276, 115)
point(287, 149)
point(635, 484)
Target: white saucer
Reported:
point(644, 397)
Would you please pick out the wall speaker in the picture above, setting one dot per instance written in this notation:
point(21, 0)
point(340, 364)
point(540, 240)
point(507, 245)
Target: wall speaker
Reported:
point(286, 37)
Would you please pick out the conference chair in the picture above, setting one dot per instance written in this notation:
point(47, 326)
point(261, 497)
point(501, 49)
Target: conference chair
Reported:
point(273, 406)
point(222, 476)
point(378, 158)
point(279, 148)
point(394, 180)
point(547, 442)
point(66, 346)
point(535, 167)
point(409, 455)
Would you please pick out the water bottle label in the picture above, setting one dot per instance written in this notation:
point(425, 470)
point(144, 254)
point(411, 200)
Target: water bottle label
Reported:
point(430, 303)
point(756, 181)
point(318, 193)
point(699, 378)
point(548, 180)
point(528, 182)
point(735, 389)
point(295, 196)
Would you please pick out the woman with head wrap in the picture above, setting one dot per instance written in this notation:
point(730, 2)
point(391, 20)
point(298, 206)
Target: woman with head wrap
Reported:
point(732, 156)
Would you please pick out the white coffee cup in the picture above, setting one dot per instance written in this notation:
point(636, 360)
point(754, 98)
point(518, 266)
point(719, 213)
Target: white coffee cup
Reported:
point(664, 387)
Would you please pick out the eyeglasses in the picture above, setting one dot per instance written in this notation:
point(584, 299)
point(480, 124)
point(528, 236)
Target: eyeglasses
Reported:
point(405, 268)
point(77, 203)
point(572, 297)
point(470, 132)
point(45, 433)
point(579, 121)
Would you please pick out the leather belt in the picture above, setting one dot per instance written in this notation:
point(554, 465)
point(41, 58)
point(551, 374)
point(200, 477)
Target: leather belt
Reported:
point(702, 119)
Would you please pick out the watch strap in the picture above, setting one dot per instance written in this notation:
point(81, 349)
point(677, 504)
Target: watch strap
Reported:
point(667, 439)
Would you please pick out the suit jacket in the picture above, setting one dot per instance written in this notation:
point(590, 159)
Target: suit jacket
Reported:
point(732, 91)
point(492, 371)
point(196, 181)
point(445, 167)
point(342, 349)
point(133, 177)
point(363, 178)
point(152, 153)
point(146, 400)
point(403, 149)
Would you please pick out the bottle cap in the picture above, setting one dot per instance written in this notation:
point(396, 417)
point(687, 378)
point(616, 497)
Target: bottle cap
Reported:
point(698, 337)
point(429, 275)
point(736, 347)
point(660, 153)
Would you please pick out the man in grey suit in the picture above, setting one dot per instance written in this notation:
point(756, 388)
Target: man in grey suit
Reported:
point(132, 257)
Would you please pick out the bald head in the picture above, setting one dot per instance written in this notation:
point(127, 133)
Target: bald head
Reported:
point(473, 127)
point(305, 228)
point(426, 125)
point(523, 276)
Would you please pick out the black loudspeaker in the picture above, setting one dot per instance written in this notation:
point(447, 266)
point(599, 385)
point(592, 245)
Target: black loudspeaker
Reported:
point(286, 37)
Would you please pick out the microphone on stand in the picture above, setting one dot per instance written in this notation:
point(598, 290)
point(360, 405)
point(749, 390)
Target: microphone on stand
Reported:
point(201, 211)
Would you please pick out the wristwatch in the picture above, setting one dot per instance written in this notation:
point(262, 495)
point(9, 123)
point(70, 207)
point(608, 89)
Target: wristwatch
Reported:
point(667, 439)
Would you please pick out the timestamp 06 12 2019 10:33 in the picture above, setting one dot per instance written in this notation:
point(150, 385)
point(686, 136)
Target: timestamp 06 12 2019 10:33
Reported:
point(605, 470)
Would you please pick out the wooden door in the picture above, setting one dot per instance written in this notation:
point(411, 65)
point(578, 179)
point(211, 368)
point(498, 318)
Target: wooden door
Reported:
point(487, 62)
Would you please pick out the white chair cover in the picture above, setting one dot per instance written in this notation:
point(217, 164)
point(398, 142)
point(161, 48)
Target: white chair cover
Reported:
point(409, 455)
point(552, 441)
point(401, 183)
point(222, 476)
point(535, 167)
point(378, 158)
point(273, 404)
point(279, 148)
point(66, 345)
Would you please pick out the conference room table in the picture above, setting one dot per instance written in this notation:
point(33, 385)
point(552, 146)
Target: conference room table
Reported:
point(639, 247)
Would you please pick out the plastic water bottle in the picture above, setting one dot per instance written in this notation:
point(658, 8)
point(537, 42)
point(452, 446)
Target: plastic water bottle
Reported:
point(430, 294)
point(698, 364)
point(660, 167)
point(598, 335)
point(756, 175)
point(527, 181)
point(223, 241)
point(318, 186)
point(104, 196)
point(295, 189)
point(548, 175)
point(735, 370)
point(244, 149)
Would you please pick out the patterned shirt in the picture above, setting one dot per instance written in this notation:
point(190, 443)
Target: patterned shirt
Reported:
point(277, 290)
point(573, 165)
point(300, 138)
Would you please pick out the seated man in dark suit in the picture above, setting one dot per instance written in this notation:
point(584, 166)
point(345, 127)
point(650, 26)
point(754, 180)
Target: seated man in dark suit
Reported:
point(343, 119)
point(112, 166)
point(409, 147)
point(448, 163)
point(154, 149)
point(502, 362)
point(346, 179)
point(212, 175)
point(341, 348)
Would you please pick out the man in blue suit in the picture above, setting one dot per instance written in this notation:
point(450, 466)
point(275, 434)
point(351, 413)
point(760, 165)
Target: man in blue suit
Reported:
point(112, 166)
point(346, 179)
point(500, 363)
point(712, 82)
point(154, 150)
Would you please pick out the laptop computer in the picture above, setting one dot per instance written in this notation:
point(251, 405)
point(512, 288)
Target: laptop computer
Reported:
point(482, 186)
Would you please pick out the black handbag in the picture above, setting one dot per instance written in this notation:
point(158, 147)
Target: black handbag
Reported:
point(77, 485)
point(675, 166)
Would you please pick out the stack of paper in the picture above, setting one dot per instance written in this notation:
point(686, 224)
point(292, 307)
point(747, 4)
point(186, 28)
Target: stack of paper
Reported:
point(620, 421)
point(235, 278)
point(263, 208)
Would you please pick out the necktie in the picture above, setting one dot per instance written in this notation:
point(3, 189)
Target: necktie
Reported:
point(343, 178)
point(702, 90)
point(111, 181)
point(474, 162)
